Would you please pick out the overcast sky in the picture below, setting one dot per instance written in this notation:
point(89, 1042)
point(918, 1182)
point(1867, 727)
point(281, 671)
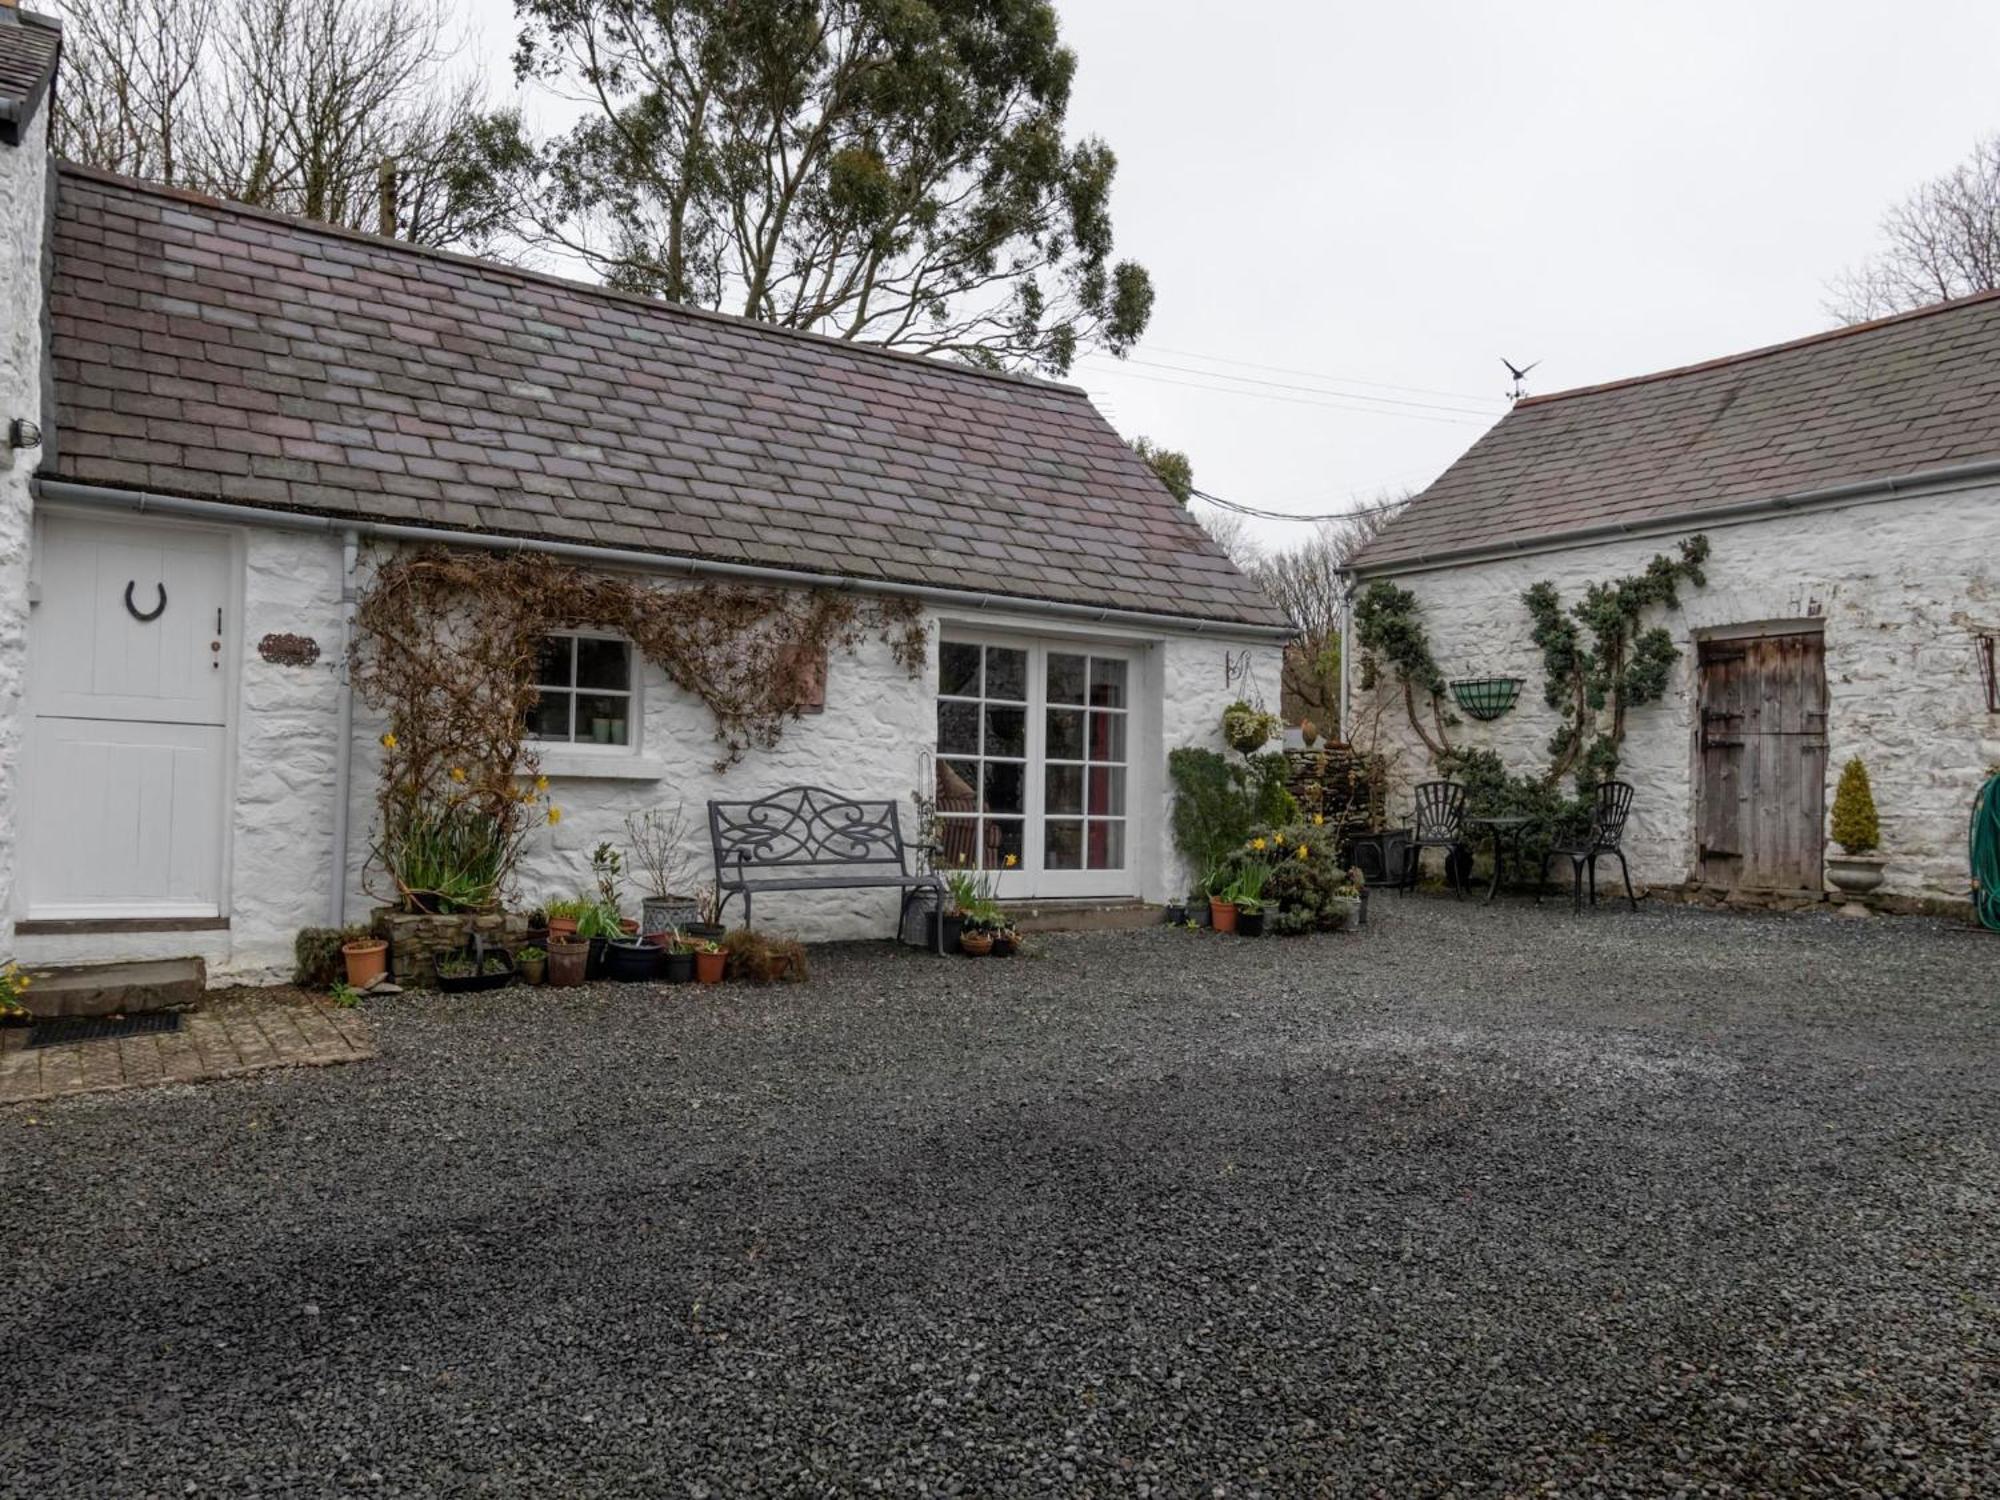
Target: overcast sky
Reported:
point(1377, 202)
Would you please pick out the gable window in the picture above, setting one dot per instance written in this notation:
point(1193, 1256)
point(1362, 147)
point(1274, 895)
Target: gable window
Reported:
point(584, 691)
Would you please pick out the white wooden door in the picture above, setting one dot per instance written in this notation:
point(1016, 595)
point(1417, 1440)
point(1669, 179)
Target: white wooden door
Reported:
point(129, 659)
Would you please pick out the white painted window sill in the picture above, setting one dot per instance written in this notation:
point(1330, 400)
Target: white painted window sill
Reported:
point(567, 765)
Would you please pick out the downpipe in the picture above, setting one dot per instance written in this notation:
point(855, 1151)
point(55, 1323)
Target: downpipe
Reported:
point(343, 753)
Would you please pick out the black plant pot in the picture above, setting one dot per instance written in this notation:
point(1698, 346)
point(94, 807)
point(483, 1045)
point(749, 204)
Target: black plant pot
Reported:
point(1249, 923)
point(631, 960)
point(594, 969)
point(1177, 914)
point(680, 966)
point(952, 925)
point(708, 932)
point(465, 984)
point(1004, 945)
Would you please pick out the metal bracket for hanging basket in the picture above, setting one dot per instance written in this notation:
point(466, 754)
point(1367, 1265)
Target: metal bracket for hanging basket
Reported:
point(1486, 697)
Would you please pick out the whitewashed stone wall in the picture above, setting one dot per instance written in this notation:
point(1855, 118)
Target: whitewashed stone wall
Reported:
point(1901, 586)
point(879, 718)
point(23, 197)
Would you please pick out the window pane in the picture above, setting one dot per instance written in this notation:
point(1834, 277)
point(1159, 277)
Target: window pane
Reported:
point(1107, 683)
point(601, 718)
point(957, 786)
point(1062, 846)
point(552, 662)
point(960, 838)
point(1065, 678)
point(1107, 845)
point(1003, 840)
point(1007, 674)
point(958, 670)
point(1006, 788)
point(958, 728)
point(549, 718)
point(1107, 790)
point(1062, 789)
point(1107, 736)
point(1065, 734)
point(603, 664)
point(1006, 731)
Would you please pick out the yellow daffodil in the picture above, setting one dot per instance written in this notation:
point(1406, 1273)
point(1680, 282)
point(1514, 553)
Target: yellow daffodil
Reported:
point(458, 774)
point(541, 784)
point(1304, 851)
point(1319, 820)
point(1011, 860)
point(555, 814)
point(1280, 838)
point(1258, 845)
point(389, 741)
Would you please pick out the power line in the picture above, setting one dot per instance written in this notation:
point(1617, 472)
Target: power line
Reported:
point(1224, 390)
point(1257, 513)
point(1380, 385)
point(1282, 385)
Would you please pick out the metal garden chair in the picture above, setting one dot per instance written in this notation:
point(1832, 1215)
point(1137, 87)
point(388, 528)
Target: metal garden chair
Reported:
point(1439, 824)
point(1606, 835)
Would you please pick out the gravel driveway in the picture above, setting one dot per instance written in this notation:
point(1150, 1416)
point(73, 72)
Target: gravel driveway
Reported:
point(1680, 1203)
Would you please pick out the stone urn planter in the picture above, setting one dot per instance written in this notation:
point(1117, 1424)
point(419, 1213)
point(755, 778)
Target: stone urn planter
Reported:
point(1854, 876)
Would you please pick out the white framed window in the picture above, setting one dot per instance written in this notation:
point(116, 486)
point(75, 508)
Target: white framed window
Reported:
point(1033, 764)
point(586, 691)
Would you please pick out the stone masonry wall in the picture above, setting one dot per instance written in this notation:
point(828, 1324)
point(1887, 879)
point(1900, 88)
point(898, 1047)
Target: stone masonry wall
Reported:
point(1901, 586)
point(23, 201)
point(878, 719)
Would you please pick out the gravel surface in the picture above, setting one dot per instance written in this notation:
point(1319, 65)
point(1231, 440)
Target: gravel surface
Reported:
point(1498, 1201)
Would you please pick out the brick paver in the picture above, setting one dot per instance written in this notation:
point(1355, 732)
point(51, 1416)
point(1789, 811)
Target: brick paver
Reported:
point(224, 1039)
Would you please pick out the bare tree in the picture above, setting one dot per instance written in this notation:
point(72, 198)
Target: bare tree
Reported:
point(287, 104)
point(1943, 242)
point(1307, 584)
point(1231, 533)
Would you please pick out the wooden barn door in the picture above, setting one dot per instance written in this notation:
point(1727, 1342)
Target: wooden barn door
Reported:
point(1763, 762)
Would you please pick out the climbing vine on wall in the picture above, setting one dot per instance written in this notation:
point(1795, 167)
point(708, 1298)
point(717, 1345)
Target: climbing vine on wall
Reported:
point(1599, 661)
point(447, 643)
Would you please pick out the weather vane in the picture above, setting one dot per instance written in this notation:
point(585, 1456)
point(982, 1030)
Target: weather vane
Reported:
point(1519, 375)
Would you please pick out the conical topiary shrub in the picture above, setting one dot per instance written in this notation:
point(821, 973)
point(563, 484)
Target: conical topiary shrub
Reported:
point(1854, 826)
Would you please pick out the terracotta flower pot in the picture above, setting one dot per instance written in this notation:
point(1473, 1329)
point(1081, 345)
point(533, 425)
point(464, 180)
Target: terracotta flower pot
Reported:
point(975, 944)
point(562, 927)
point(1222, 915)
point(367, 961)
point(567, 962)
point(708, 967)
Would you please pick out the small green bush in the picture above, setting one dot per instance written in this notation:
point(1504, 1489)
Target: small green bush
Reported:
point(1855, 827)
point(1303, 888)
point(316, 960)
point(1218, 801)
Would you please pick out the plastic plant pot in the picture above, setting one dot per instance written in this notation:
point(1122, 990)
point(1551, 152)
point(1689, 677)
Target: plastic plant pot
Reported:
point(709, 967)
point(1222, 915)
point(631, 960)
point(679, 966)
point(366, 960)
point(1249, 923)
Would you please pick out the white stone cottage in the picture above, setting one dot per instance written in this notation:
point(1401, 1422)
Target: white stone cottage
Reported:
point(238, 412)
point(1849, 487)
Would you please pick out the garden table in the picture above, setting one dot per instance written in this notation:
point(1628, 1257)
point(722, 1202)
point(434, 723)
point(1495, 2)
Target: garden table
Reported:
point(1505, 832)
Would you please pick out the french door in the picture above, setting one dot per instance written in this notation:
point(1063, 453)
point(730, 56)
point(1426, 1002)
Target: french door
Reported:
point(1033, 764)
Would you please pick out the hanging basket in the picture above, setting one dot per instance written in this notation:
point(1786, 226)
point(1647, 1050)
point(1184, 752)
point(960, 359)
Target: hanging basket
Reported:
point(1486, 697)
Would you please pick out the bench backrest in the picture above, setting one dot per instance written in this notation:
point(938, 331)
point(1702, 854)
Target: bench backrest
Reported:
point(806, 828)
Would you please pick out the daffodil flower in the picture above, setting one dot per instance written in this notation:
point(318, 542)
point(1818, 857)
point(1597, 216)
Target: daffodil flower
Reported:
point(541, 784)
point(1257, 844)
point(555, 814)
point(1011, 860)
point(1319, 820)
point(1280, 839)
point(1304, 851)
point(458, 774)
point(389, 741)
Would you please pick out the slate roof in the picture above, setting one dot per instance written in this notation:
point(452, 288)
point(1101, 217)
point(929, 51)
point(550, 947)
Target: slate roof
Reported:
point(209, 350)
point(1879, 400)
point(29, 45)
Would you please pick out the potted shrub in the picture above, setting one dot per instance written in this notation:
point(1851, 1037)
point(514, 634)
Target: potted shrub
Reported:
point(597, 927)
point(975, 935)
point(366, 959)
point(1247, 891)
point(569, 961)
point(631, 959)
point(533, 960)
point(760, 960)
point(1176, 914)
point(659, 844)
point(709, 962)
point(1857, 869)
point(1221, 902)
point(1006, 941)
point(707, 924)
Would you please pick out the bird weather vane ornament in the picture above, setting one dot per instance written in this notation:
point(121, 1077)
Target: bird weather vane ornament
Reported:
point(1520, 374)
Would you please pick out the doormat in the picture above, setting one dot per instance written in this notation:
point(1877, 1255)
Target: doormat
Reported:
point(60, 1031)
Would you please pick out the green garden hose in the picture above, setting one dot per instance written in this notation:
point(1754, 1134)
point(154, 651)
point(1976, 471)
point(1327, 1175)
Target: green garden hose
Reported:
point(1986, 853)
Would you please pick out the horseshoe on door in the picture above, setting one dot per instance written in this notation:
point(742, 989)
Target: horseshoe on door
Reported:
point(141, 615)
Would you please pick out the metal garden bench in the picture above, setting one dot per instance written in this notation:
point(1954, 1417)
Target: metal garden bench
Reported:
point(806, 838)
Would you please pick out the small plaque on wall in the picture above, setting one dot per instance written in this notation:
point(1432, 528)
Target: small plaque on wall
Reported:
point(289, 650)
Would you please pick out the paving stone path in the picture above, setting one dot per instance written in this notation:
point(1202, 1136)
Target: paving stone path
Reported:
point(224, 1039)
